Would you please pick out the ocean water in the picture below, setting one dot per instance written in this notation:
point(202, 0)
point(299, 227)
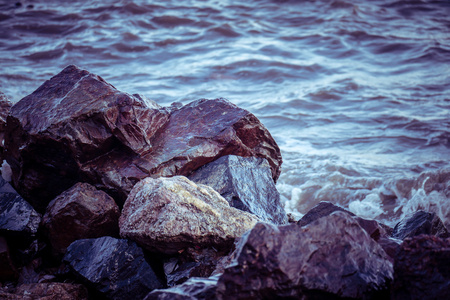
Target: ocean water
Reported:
point(356, 93)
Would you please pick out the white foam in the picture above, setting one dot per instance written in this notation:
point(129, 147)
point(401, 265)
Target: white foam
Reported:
point(369, 208)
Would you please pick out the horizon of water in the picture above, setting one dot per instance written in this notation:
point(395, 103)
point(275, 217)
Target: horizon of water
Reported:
point(356, 93)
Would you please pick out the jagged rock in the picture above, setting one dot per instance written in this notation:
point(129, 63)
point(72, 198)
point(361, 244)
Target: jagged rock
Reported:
point(48, 291)
point(5, 107)
point(194, 288)
point(246, 183)
point(81, 212)
point(330, 257)
point(422, 269)
point(17, 216)
point(420, 222)
point(8, 270)
point(69, 120)
point(170, 214)
point(114, 267)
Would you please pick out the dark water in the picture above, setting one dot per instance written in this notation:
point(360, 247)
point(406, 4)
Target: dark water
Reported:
point(356, 93)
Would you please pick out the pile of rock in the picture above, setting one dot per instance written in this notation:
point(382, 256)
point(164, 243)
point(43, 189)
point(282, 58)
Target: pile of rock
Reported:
point(115, 197)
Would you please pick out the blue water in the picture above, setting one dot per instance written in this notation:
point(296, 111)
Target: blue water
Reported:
point(356, 93)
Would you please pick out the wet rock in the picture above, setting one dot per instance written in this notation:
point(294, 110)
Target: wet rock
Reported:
point(116, 268)
point(194, 288)
point(420, 222)
point(422, 269)
point(328, 258)
point(5, 107)
point(8, 271)
point(246, 183)
point(81, 212)
point(170, 214)
point(71, 119)
point(17, 216)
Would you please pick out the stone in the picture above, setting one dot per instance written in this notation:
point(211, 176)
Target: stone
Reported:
point(17, 216)
point(422, 269)
point(116, 268)
point(420, 222)
point(80, 212)
point(71, 119)
point(49, 291)
point(246, 183)
point(8, 270)
point(170, 214)
point(194, 288)
point(329, 258)
point(5, 107)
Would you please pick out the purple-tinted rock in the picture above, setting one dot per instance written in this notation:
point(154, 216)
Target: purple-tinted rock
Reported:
point(194, 288)
point(420, 222)
point(81, 212)
point(422, 269)
point(71, 119)
point(116, 268)
point(330, 257)
point(50, 291)
point(5, 107)
point(8, 271)
point(17, 216)
point(246, 183)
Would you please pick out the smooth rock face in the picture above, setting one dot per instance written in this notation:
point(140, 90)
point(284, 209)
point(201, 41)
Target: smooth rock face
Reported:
point(422, 269)
point(17, 216)
point(5, 107)
point(81, 212)
point(170, 214)
point(114, 267)
point(420, 222)
point(194, 288)
point(246, 183)
point(69, 120)
point(330, 257)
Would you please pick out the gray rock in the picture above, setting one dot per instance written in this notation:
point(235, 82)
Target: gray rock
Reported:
point(420, 222)
point(194, 288)
point(246, 183)
point(114, 267)
point(170, 214)
point(5, 107)
point(329, 258)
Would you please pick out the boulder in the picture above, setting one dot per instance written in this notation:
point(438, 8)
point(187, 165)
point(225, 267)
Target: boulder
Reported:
point(17, 216)
point(71, 119)
point(422, 269)
point(168, 215)
point(5, 107)
point(116, 268)
point(48, 291)
point(81, 212)
point(194, 288)
point(8, 270)
point(420, 222)
point(328, 258)
point(246, 183)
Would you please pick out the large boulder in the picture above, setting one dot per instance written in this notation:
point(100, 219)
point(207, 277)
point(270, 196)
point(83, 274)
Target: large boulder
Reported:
point(169, 214)
point(5, 107)
point(246, 183)
point(115, 268)
point(17, 216)
point(81, 212)
point(420, 222)
point(329, 258)
point(422, 269)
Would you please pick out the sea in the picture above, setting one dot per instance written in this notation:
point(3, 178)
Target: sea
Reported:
point(355, 93)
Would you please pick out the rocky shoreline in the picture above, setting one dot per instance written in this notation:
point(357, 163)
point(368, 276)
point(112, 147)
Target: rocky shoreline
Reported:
point(114, 197)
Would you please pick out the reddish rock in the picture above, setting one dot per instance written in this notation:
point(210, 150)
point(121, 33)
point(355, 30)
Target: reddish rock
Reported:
point(52, 291)
point(5, 107)
point(422, 269)
point(69, 120)
point(81, 212)
point(329, 258)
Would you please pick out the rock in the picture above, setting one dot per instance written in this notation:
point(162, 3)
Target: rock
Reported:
point(8, 270)
point(5, 107)
point(246, 183)
point(17, 216)
point(194, 288)
point(168, 215)
point(81, 212)
point(328, 258)
point(116, 268)
point(71, 119)
point(49, 291)
point(420, 222)
point(422, 269)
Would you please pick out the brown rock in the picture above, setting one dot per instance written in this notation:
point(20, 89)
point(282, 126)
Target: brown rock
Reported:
point(8, 270)
point(5, 107)
point(170, 214)
point(52, 291)
point(80, 212)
